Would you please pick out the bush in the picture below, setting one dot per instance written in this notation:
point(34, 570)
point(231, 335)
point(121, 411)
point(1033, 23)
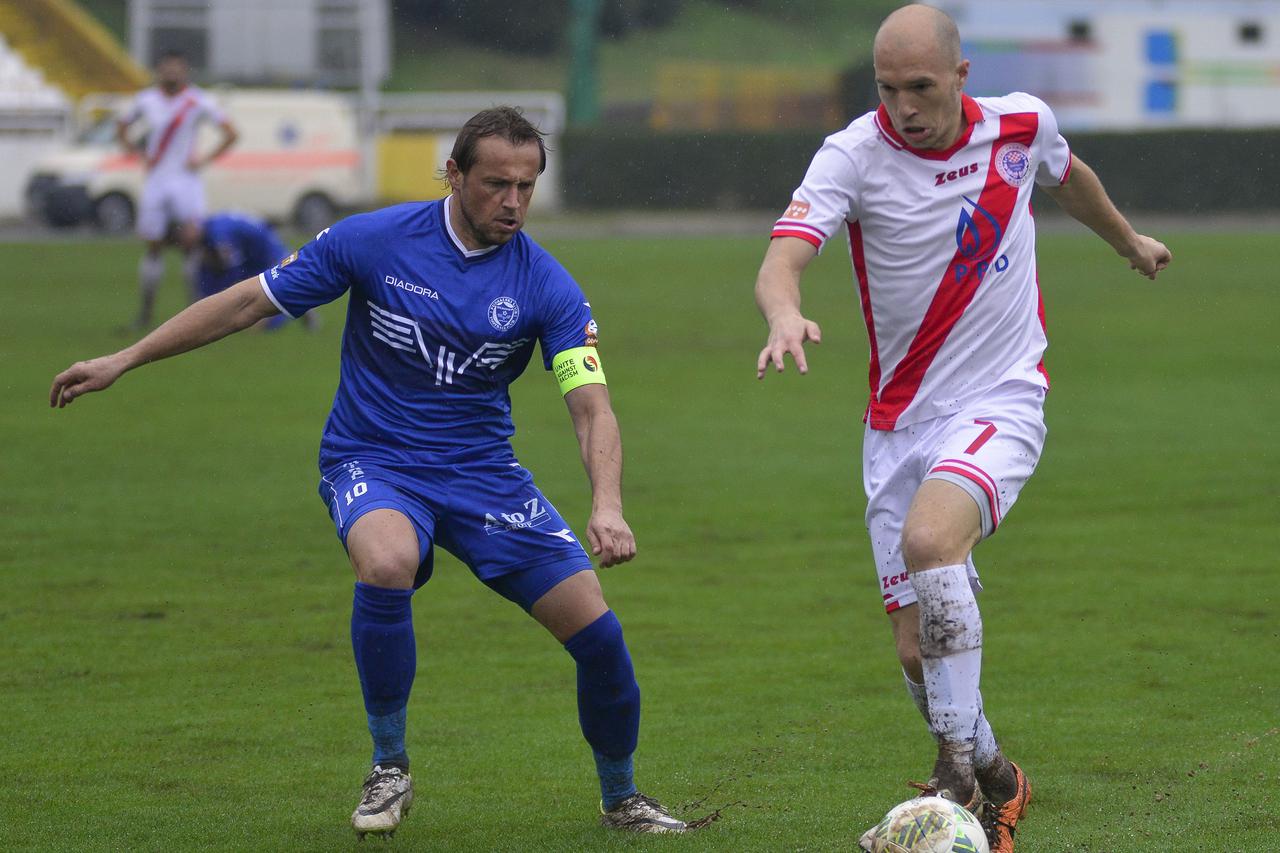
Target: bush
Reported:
point(620, 17)
point(529, 28)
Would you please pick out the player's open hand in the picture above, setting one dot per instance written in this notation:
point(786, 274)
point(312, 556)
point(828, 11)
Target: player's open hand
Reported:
point(1149, 256)
point(83, 377)
point(610, 538)
point(787, 334)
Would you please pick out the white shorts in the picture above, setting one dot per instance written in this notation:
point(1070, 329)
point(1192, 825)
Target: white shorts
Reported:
point(169, 197)
point(989, 449)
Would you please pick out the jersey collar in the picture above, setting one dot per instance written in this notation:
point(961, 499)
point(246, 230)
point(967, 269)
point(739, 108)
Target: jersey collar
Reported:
point(972, 115)
point(458, 244)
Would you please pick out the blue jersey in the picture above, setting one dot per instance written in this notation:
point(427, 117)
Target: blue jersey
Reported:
point(435, 334)
point(245, 245)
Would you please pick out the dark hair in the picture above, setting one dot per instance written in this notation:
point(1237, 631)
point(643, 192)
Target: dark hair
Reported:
point(506, 122)
point(171, 53)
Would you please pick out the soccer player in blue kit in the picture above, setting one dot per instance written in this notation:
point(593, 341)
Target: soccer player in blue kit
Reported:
point(236, 246)
point(446, 301)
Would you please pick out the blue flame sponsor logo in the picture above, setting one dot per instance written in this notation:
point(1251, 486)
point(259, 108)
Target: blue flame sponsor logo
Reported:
point(978, 236)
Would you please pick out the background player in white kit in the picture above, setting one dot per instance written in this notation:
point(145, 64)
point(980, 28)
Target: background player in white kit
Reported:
point(934, 191)
point(173, 195)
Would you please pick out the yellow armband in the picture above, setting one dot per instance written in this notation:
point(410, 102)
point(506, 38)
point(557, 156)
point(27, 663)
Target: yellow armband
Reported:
point(576, 367)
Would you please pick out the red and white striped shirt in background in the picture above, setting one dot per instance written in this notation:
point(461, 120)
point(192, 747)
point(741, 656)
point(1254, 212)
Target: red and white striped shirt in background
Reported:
point(173, 122)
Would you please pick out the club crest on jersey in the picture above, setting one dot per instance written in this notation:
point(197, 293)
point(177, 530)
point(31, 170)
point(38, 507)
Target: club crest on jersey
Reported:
point(503, 313)
point(1013, 162)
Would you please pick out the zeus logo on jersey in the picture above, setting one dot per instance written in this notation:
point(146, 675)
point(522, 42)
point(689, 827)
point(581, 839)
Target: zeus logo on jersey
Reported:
point(963, 172)
point(978, 237)
point(410, 287)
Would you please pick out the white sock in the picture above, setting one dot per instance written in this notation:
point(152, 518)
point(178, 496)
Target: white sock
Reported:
point(950, 651)
point(985, 748)
point(150, 272)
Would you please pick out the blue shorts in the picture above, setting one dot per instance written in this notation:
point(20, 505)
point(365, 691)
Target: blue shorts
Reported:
point(486, 512)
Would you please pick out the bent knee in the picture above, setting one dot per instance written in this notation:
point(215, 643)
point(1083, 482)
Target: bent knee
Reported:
point(387, 574)
point(926, 546)
point(383, 547)
point(392, 569)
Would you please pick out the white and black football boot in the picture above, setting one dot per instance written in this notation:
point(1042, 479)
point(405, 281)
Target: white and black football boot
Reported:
point(387, 796)
point(638, 813)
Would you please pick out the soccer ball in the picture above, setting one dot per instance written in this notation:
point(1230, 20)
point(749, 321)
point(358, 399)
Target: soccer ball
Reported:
point(926, 825)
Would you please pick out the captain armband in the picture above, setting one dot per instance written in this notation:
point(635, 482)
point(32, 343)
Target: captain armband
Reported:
point(576, 367)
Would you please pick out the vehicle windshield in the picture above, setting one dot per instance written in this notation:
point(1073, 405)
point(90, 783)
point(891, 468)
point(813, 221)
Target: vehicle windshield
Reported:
point(101, 132)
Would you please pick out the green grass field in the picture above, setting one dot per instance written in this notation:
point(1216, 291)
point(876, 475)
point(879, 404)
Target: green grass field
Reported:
point(174, 611)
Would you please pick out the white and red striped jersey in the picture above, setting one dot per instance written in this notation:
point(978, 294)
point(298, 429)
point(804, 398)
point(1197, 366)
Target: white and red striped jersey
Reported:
point(172, 122)
point(943, 250)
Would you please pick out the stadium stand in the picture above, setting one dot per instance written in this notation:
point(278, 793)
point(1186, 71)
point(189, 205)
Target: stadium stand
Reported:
point(69, 47)
point(23, 88)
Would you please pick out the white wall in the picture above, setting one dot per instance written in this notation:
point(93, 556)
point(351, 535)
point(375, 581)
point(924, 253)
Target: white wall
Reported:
point(19, 152)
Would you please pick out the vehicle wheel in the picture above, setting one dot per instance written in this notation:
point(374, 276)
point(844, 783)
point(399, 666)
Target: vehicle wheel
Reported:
point(314, 211)
point(114, 213)
point(62, 207)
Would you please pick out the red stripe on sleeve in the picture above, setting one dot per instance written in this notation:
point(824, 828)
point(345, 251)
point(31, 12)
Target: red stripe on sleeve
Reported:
point(803, 235)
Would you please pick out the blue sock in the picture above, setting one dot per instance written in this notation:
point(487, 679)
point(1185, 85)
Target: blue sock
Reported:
point(386, 659)
point(608, 703)
point(388, 739)
point(617, 779)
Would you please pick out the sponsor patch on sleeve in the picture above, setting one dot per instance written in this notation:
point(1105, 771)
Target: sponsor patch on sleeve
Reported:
point(796, 210)
point(577, 367)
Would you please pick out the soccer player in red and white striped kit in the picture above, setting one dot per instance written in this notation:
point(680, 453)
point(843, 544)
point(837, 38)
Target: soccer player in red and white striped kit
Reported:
point(934, 190)
point(172, 205)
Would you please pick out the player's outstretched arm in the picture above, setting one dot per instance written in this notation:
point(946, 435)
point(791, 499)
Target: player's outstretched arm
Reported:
point(778, 297)
point(608, 534)
point(238, 307)
point(1085, 199)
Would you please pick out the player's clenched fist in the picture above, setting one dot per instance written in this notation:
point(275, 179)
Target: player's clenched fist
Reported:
point(83, 377)
point(1149, 256)
point(610, 538)
point(787, 334)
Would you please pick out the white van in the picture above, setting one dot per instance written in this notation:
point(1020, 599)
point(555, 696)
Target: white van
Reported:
point(298, 160)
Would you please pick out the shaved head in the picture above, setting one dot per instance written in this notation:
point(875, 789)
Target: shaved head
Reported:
point(920, 75)
point(918, 27)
